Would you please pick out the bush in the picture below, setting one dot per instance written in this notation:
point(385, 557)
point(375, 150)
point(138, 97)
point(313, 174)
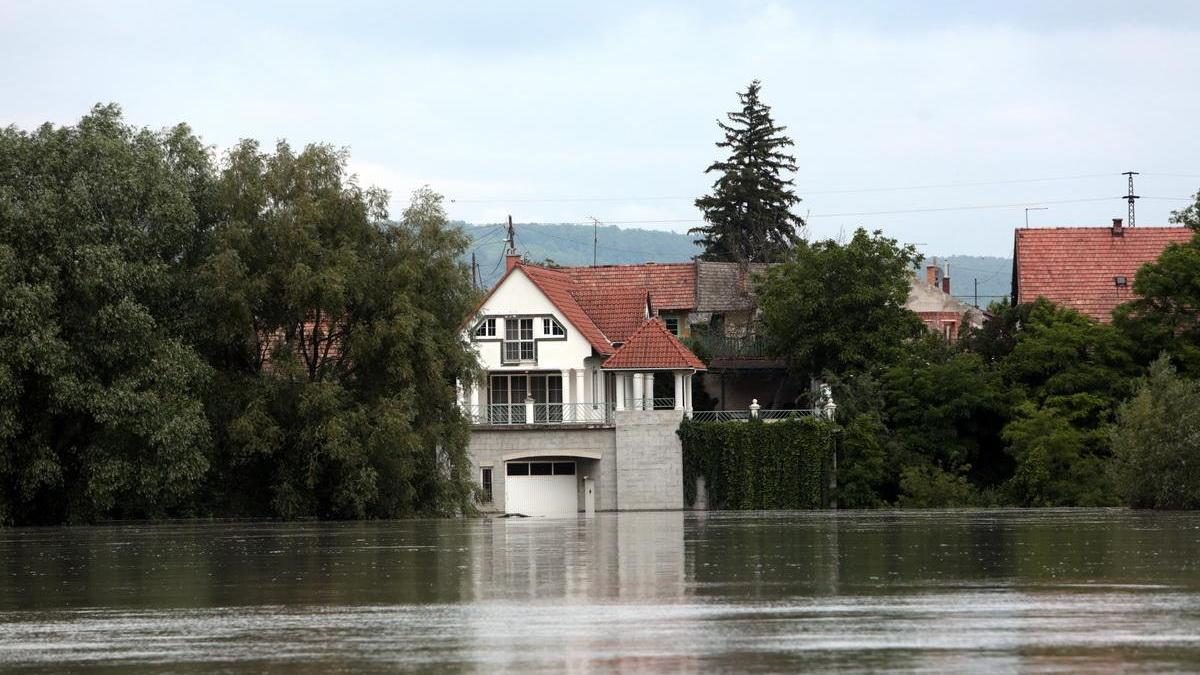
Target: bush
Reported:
point(756, 465)
point(928, 487)
point(1156, 442)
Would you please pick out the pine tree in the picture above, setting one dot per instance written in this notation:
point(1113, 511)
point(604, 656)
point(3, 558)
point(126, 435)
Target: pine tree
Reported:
point(748, 215)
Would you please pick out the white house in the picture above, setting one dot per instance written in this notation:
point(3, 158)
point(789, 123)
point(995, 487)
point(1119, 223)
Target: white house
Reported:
point(584, 388)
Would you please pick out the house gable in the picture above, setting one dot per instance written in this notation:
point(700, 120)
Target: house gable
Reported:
point(518, 297)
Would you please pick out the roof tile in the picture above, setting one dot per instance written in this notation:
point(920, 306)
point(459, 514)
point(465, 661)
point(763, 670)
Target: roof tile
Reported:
point(652, 346)
point(1076, 266)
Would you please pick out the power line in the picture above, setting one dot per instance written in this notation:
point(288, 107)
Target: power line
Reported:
point(939, 209)
point(894, 188)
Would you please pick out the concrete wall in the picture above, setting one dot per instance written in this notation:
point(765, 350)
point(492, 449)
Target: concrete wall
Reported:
point(489, 446)
point(649, 460)
point(640, 465)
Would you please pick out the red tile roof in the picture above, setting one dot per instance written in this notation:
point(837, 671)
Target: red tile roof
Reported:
point(616, 311)
point(671, 285)
point(556, 285)
point(652, 346)
point(1076, 266)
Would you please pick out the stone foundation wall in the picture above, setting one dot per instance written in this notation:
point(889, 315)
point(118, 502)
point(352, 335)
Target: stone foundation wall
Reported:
point(649, 460)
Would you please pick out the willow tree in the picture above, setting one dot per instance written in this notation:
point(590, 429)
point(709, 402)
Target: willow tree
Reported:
point(336, 334)
point(101, 410)
point(748, 216)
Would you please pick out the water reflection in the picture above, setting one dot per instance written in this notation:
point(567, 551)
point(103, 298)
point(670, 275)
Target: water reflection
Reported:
point(954, 590)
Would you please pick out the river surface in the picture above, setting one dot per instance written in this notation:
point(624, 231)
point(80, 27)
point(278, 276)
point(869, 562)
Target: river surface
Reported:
point(1048, 591)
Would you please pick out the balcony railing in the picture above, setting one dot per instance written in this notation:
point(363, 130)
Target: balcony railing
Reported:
point(540, 413)
point(745, 415)
point(733, 347)
point(667, 403)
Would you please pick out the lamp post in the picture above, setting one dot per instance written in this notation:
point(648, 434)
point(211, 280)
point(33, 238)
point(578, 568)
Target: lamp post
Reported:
point(1032, 208)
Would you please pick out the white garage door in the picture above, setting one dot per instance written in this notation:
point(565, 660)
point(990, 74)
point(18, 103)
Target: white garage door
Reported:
point(540, 488)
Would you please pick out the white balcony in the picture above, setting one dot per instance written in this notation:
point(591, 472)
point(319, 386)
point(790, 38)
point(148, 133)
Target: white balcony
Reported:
point(508, 414)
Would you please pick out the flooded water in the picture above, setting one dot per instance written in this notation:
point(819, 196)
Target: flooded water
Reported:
point(1056, 591)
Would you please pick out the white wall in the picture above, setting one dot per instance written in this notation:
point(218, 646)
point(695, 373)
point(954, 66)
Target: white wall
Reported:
point(518, 295)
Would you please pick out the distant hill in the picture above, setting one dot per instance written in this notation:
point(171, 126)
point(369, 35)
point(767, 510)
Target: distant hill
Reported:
point(570, 244)
point(993, 273)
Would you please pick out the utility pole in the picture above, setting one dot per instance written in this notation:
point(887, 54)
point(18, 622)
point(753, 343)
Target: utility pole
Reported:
point(976, 293)
point(595, 237)
point(474, 272)
point(510, 239)
point(1130, 197)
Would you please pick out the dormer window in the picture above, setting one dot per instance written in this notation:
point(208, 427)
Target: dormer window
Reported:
point(486, 329)
point(1120, 282)
point(553, 328)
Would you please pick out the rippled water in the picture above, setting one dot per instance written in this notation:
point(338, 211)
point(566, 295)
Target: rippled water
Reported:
point(1058, 590)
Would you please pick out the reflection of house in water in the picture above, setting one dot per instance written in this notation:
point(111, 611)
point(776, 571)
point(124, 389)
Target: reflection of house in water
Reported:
point(627, 555)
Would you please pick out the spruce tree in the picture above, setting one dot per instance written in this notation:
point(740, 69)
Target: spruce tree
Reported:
point(748, 215)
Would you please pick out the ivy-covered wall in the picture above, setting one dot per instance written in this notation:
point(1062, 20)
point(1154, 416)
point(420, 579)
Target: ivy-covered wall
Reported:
point(758, 465)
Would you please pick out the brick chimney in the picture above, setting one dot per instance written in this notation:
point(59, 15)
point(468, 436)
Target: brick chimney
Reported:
point(931, 274)
point(510, 261)
point(946, 280)
point(1118, 229)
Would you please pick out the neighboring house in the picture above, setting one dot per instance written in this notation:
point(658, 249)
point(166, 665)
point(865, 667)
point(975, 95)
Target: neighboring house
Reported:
point(1089, 269)
point(584, 388)
point(944, 314)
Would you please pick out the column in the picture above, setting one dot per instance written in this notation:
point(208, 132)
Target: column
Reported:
point(649, 391)
point(476, 405)
point(579, 411)
point(678, 390)
point(687, 392)
point(639, 391)
point(568, 413)
point(620, 390)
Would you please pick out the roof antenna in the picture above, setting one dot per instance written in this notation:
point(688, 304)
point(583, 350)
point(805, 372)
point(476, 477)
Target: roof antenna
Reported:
point(1130, 197)
point(510, 246)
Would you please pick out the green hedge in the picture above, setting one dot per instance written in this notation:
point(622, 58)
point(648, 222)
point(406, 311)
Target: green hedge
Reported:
point(758, 465)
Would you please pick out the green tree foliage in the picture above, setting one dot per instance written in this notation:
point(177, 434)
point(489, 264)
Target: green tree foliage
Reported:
point(840, 307)
point(1189, 216)
point(337, 333)
point(1157, 442)
point(748, 214)
point(250, 339)
point(1071, 374)
point(945, 409)
point(1165, 314)
point(101, 411)
point(862, 471)
point(758, 465)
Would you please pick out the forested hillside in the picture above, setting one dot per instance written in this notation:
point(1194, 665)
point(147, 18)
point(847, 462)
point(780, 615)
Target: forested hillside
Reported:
point(571, 244)
point(567, 244)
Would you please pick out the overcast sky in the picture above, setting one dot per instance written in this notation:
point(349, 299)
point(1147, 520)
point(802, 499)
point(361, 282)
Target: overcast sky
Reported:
point(502, 105)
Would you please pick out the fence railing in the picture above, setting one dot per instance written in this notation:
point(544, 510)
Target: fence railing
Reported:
point(540, 413)
point(745, 415)
point(667, 403)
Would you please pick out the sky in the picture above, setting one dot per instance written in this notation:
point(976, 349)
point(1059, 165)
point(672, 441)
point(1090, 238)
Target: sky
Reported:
point(902, 113)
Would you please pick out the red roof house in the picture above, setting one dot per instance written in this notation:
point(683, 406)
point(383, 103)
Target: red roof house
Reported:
point(1089, 269)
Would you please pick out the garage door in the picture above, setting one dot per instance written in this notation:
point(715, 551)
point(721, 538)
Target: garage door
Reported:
point(540, 488)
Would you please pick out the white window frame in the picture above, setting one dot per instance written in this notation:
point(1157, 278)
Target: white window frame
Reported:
point(486, 328)
point(552, 328)
point(524, 343)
